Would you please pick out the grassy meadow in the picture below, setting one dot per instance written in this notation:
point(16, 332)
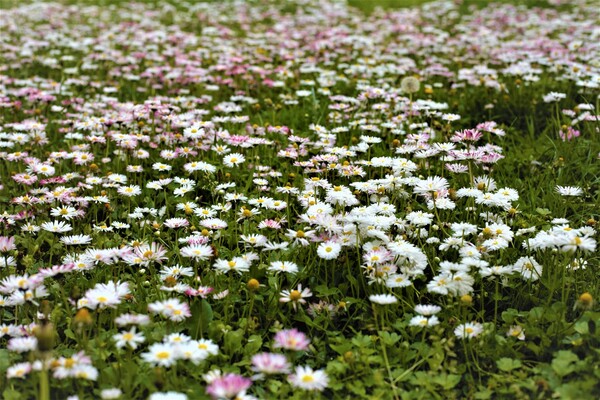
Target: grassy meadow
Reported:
point(307, 199)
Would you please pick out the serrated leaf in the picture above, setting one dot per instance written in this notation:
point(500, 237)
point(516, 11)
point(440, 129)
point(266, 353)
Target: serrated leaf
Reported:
point(508, 364)
point(564, 362)
point(447, 381)
point(543, 211)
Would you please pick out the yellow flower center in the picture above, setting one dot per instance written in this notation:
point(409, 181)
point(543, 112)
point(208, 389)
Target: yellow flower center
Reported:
point(295, 295)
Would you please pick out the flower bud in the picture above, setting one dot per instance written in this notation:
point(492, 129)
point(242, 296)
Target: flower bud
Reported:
point(585, 301)
point(466, 299)
point(253, 285)
point(83, 317)
point(45, 335)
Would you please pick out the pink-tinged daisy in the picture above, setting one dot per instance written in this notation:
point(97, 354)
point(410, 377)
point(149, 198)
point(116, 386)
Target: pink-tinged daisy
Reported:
point(19, 370)
point(22, 344)
point(228, 386)
point(291, 339)
point(270, 363)
point(174, 223)
point(7, 244)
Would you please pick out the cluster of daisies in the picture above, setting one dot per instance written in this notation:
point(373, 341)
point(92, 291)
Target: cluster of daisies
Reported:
point(157, 176)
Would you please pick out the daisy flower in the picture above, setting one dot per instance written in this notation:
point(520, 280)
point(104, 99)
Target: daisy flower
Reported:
point(291, 339)
point(56, 226)
point(168, 396)
point(383, 299)
point(529, 269)
point(423, 321)
point(233, 159)
point(65, 212)
point(427, 309)
point(270, 363)
point(7, 243)
point(132, 319)
point(197, 252)
point(237, 264)
point(19, 370)
point(172, 309)
point(295, 296)
point(207, 346)
point(129, 338)
point(569, 190)
point(228, 386)
point(468, 330)
point(516, 331)
point(129, 191)
point(160, 354)
point(329, 250)
point(307, 379)
point(283, 266)
point(22, 344)
point(112, 393)
point(76, 240)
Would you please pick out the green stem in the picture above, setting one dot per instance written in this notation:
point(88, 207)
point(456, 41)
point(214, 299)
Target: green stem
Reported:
point(44, 383)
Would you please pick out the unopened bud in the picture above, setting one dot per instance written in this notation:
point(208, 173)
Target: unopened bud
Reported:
point(585, 301)
point(466, 299)
point(45, 335)
point(253, 285)
point(170, 281)
point(83, 317)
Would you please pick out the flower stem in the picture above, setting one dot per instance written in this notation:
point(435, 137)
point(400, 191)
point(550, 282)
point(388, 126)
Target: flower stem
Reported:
point(44, 383)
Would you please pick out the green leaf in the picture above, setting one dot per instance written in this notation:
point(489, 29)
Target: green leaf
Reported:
point(447, 381)
point(341, 348)
point(253, 345)
point(326, 291)
point(70, 334)
point(582, 327)
point(4, 360)
point(543, 211)
point(389, 339)
point(508, 364)
point(362, 341)
point(564, 362)
point(233, 341)
point(11, 394)
point(207, 313)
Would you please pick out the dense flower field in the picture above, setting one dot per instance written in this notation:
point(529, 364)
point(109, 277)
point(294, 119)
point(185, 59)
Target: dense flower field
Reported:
point(297, 200)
